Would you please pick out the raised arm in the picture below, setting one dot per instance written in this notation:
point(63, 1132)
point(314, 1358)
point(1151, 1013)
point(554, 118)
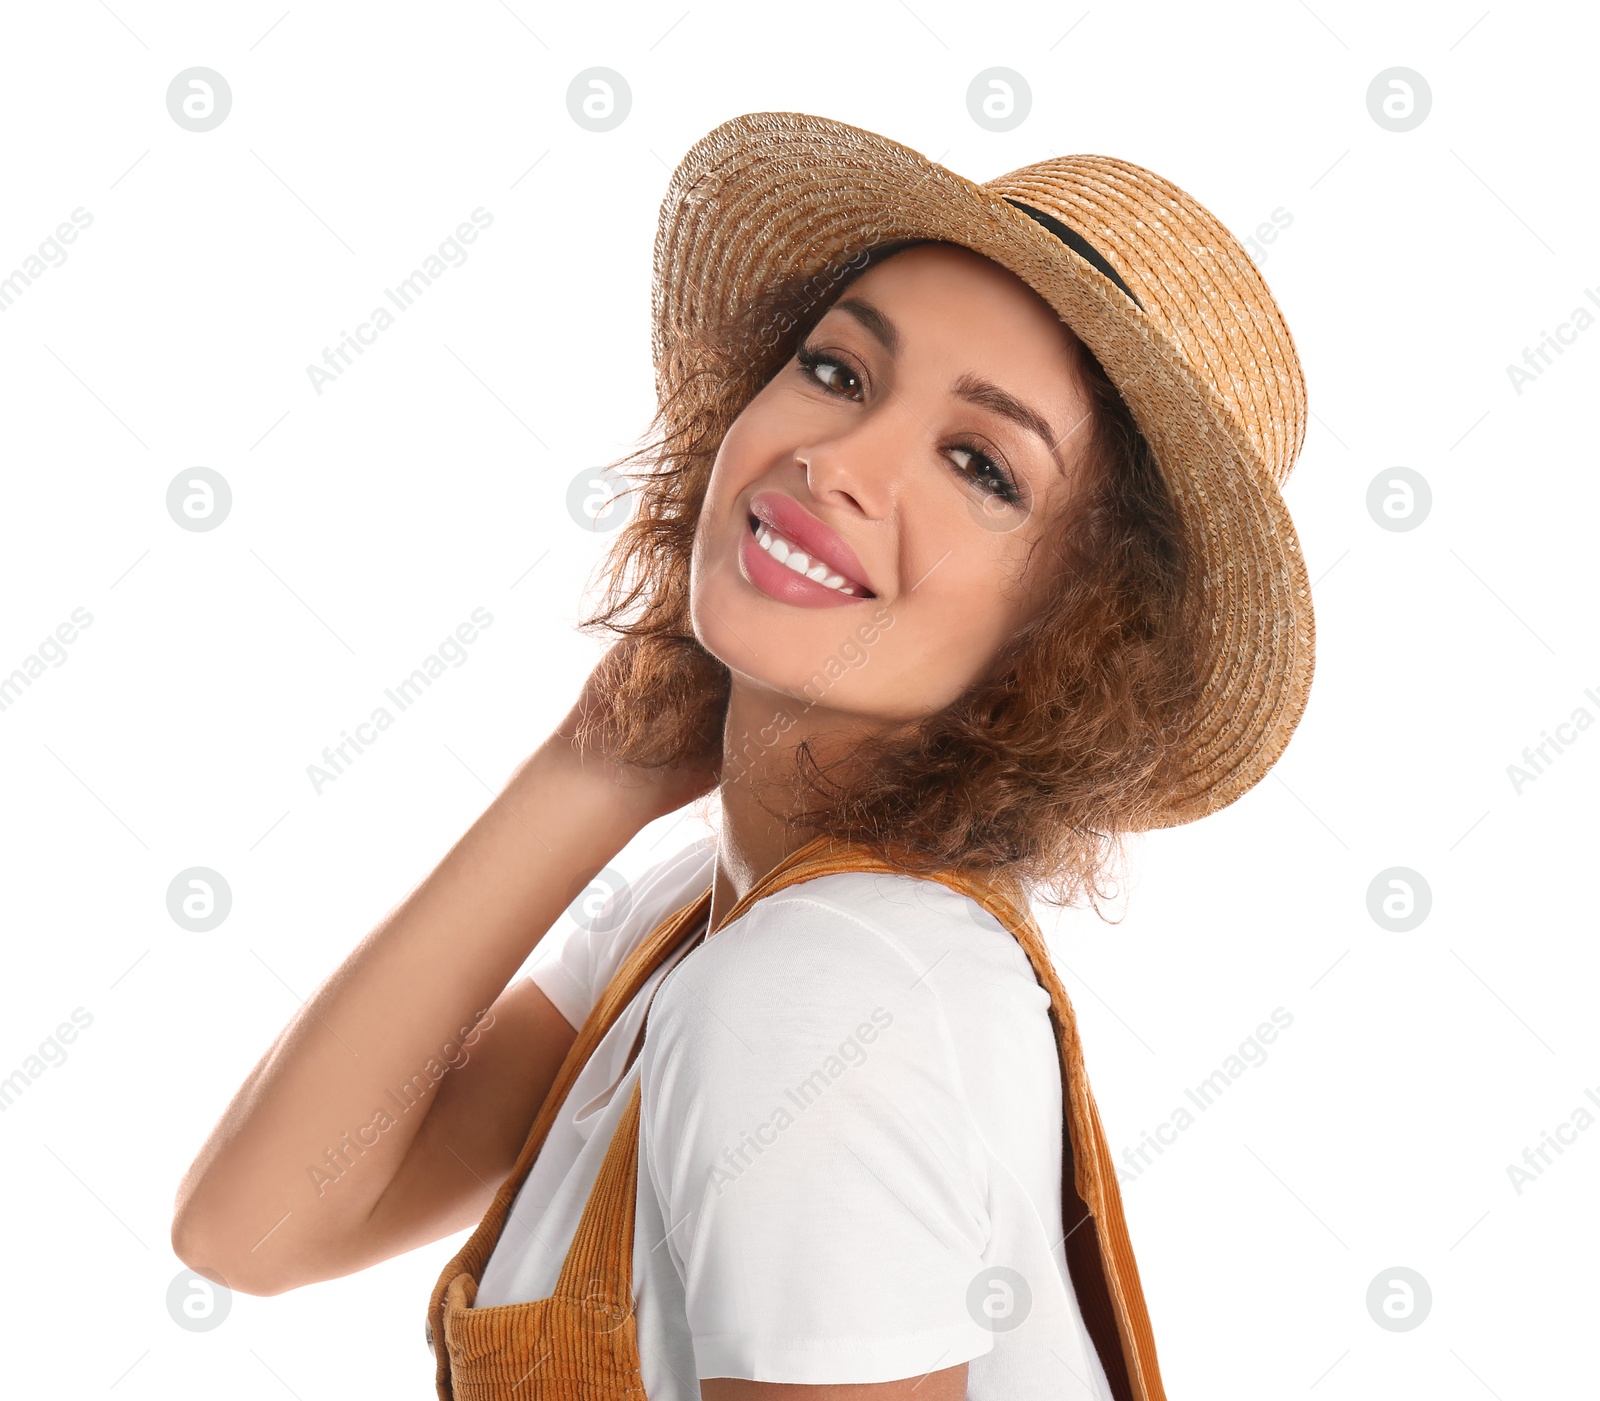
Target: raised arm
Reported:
point(353, 1139)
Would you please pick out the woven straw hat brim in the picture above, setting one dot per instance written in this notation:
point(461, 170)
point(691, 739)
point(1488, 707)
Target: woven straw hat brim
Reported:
point(1206, 366)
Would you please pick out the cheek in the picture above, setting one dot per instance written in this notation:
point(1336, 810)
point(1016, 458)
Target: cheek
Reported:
point(758, 428)
point(746, 450)
point(965, 558)
point(948, 629)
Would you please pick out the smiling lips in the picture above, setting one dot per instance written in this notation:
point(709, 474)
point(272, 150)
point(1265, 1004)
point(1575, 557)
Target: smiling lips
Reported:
point(791, 556)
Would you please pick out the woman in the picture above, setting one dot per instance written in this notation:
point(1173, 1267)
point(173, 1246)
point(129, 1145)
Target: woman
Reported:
point(960, 554)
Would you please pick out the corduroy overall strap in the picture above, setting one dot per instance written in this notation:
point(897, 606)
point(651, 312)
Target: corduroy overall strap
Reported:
point(474, 1255)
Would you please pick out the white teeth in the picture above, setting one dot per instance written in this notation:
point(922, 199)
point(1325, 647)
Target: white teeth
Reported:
point(797, 560)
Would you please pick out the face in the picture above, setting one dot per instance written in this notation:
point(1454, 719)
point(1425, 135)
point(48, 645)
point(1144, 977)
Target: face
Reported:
point(909, 460)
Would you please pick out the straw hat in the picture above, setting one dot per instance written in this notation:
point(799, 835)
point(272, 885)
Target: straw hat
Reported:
point(1162, 294)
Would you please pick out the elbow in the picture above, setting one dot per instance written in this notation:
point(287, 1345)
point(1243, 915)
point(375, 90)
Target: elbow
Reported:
point(200, 1245)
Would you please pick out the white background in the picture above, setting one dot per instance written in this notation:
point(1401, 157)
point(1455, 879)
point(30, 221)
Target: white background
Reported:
point(431, 478)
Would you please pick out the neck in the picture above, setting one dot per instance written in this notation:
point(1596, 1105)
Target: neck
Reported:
point(757, 791)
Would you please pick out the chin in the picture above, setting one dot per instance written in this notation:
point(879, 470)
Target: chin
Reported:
point(805, 659)
point(755, 642)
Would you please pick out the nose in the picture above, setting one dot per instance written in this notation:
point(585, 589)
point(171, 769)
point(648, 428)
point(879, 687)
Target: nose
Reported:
point(866, 465)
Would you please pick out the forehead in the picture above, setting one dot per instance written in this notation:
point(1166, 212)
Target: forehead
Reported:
point(945, 281)
point(955, 307)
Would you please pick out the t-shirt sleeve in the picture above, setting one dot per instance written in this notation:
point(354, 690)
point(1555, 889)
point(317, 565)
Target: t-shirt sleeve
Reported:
point(572, 966)
point(807, 1134)
point(558, 972)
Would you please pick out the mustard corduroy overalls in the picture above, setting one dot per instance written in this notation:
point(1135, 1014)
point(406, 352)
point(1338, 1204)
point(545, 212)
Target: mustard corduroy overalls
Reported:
point(580, 1344)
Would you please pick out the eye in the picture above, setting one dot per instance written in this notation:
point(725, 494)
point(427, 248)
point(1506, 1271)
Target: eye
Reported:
point(833, 374)
point(979, 467)
point(837, 377)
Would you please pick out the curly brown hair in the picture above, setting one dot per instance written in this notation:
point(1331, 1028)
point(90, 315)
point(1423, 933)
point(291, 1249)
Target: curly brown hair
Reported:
point(1040, 767)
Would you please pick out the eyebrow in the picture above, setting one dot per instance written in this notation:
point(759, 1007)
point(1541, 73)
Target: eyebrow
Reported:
point(973, 388)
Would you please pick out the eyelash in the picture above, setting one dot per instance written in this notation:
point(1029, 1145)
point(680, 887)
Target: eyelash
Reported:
point(809, 360)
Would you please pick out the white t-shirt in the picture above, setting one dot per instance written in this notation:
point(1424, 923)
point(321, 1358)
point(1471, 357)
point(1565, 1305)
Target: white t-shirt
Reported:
point(851, 1120)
